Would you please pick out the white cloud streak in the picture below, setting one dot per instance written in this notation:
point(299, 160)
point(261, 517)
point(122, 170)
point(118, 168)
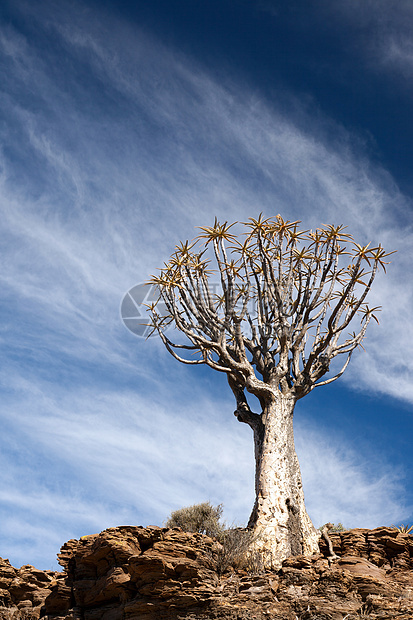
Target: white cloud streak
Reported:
point(121, 459)
point(381, 31)
point(342, 486)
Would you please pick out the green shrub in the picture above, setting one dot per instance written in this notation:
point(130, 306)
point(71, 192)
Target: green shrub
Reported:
point(203, 518)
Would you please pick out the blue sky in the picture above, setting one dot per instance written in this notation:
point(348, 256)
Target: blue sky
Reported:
point(123, 127)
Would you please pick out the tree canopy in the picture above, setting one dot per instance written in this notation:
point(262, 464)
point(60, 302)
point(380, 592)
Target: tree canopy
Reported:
point(273, 299)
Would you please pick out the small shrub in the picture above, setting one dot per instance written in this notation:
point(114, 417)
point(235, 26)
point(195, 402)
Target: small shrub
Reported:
point(234, 548)
point(236, 551)
point(334, 527)
point(203, 518)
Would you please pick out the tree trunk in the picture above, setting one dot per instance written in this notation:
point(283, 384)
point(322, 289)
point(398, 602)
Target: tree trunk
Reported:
point(279, 519)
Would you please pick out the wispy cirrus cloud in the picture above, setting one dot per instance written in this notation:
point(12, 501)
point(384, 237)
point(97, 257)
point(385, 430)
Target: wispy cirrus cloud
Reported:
point(380, 32)
point(343, 486)
point(114, 457)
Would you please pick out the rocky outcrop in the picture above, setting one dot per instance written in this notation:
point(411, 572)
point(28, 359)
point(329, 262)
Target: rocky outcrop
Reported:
point(128, 573)
point(24, 590)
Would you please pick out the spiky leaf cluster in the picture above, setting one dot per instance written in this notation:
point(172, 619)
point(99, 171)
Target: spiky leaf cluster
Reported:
point(403, 529)
point(271, 307)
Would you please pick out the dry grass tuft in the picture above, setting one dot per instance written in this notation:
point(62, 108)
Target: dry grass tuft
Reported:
point(236, 551)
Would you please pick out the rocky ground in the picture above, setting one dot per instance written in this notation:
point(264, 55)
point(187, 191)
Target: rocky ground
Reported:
point(127, 573)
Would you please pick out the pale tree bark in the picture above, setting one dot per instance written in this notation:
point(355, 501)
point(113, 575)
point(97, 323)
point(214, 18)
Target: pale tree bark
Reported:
point(279, 519)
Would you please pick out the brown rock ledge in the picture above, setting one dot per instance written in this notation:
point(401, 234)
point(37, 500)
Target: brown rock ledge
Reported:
point(128, 573)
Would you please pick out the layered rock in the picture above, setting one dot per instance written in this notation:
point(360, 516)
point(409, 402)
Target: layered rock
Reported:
point(166, 574)
point(24, 590)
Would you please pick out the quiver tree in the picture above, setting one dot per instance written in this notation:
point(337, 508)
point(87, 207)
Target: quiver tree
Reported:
point(272, 309)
